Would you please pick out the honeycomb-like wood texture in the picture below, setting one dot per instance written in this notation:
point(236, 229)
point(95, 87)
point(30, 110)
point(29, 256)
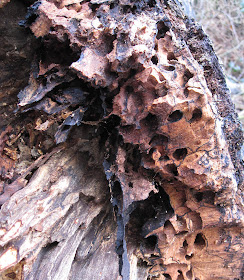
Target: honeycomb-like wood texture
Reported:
point(132, 95)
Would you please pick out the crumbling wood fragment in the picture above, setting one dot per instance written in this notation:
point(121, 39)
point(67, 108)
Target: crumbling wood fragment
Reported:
point(120, 150)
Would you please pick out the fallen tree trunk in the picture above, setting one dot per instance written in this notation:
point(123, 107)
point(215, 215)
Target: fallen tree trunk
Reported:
point(120, 147)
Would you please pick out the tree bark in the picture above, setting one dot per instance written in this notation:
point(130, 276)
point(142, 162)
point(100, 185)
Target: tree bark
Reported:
point(120, 149)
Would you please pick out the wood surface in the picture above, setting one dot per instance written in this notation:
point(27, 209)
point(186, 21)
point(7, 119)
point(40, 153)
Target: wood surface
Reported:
point(120, 149)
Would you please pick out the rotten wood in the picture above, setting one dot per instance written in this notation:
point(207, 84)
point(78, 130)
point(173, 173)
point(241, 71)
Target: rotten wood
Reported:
point(120, 149)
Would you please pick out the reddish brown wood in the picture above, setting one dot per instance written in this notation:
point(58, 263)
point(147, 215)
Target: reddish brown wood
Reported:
point(120, 150)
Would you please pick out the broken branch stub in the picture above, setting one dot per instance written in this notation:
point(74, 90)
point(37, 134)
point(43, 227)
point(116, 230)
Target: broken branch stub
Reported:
point(124, 86)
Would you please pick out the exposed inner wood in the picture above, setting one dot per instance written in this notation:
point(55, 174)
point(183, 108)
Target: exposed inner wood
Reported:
point(120, 153)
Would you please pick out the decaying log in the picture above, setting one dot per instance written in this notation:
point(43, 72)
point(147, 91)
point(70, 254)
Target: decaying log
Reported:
point(120, 150)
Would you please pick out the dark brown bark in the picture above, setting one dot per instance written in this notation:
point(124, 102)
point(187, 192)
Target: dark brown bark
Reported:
point(120, 150)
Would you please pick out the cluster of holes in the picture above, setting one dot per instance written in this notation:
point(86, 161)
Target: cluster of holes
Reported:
point(142, 220)
point(185, 245)
point(199, 243)
point(189, 275)
point(177, 115)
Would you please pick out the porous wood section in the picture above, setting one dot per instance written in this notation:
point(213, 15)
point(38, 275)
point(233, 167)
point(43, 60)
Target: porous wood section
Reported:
point(120, 149)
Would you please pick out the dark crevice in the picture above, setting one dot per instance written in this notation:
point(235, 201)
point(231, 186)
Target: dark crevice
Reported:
point(164, 158)
point(171, 56)
point(188, 257)
point(180, 154)
point(182, 232)
point(117, 202)
point(167, 67)
point(180, 276)
point(151, 122)
point(206, 196)
point(151, 3)
point(189, 274)
point(52, 50)
point(187, 76)
point(50, 246)
point(126, 9)
point(31, 16)
point(199, 196)
point(186, 92)
point(151, 242)
point(133, 159)
point(200, 242)
point(167, 276)
point(129, 89)
point(162, 29)
point(154, 60)
point(185, 244)
point(159, 140)
point(30, 174)
point(94, 7)
point(107, 45)
point(196, 115)
point(171, 168)
point(104, 130)
point(175, 116)
point(147, 216)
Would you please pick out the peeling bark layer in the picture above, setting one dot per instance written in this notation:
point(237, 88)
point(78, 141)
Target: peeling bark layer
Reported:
point(121, 157)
